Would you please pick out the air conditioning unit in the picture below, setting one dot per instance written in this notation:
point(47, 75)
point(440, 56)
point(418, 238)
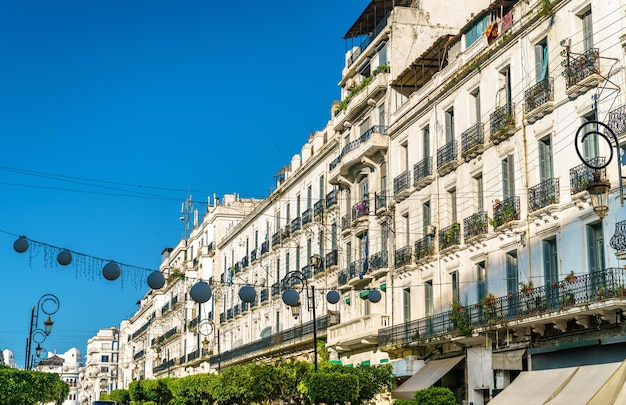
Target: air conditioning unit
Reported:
point(430, 230)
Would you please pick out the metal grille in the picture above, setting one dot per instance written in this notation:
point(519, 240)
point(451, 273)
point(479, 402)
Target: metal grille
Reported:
point(472, 137)
point(539, 94)
point(543, 194)
point(401, 182)
point(502, 117)
point(422, 169)
point(446, 154)
point(475, 225)
point(583, 66)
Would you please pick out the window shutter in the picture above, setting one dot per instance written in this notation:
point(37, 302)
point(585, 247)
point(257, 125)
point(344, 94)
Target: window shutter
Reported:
point(505, 179)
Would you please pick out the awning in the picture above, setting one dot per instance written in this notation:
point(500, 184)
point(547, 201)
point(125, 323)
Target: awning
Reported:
point(425, 377)
point(509, 360)
point(594, 384)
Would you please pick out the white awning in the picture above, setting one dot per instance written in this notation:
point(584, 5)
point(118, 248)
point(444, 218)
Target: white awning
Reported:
point(594, 384)
point(425, 377)
point(510, 360)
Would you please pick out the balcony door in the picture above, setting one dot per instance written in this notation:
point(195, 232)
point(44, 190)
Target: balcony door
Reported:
point(595, 247)
point(551, 272)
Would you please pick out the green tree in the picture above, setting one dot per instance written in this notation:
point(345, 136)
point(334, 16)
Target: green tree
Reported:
point(31, 387)
point(289, 379)
point(333, 387)
point(435, 396)
point(121, 396)
point(195, 389)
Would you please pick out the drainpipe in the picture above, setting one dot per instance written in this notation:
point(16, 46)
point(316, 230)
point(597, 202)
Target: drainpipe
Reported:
point(526, 182)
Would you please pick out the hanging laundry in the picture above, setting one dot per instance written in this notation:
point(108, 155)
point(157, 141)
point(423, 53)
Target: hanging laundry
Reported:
point(507, 21)
point(491, 32)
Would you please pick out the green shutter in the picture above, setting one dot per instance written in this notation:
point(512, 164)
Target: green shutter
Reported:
point(383, 286)
point(337, 362)
point(364, 294)
point(348, 300)
point(365, 363)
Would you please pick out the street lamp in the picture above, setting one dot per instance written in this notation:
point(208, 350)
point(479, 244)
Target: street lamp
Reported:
point(206, 328)
point(598, 187)
point(49, 305)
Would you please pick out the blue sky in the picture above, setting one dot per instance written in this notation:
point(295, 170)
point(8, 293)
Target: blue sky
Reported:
point(112, 112)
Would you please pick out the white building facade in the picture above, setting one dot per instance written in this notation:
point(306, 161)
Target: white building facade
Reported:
point(101, 371)
point(447, 180)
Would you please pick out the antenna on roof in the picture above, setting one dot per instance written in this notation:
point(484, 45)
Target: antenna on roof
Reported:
point(187, 217)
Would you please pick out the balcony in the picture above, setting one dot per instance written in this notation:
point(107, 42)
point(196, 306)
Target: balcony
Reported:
point(502, 123)
point(296, 225)
point(264, 294)
point(360, 216)
point(590, 299)
point(581, 175)
point(358, 95)
point(357, 333)
point(422, 173)
point(543, 195)
point(539, 100)
point(265, 247)
point(424, 248)
point(402, 257)
point(617, 120)
point(276, 239)
point(236, 310)
point(378, 263)
point(346, 223)
point(275, 288)
point(472, 142)
point(342, 278)
point(318, 208)
point(401, 186)
point(164, 366)
point(475, 226)
point(331, 199)
point(245, 262)
point(450, 236)
point(380, 202)
point(286, 231)
point(367, 145)
point(582, 73)
point(332, 259)
point(210, 249)
point(357, 270)
point(253, 256)
point(446, 158)
point(618, 240)
point(505, 211)
point(307, 216)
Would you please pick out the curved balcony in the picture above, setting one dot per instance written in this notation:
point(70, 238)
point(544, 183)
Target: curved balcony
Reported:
point(367, 145)
point(370, 87)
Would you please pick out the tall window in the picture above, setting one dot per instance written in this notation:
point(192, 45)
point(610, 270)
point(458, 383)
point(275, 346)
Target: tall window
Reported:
point(453, 207)
point(277, 220)
point(287, 263)
point(407, 237)
point(309, 197)
point(426, 142)
point(365, 126)
point(309, 250)
point(481, 277)
point(288, 213)
point(384, 236)
point(382, 53)
point(333, 237)
point(426, 214)
point(478, 188)
point(322, 187)
point(429, 305)
point(298, 267)
point(505, 94)
point(550, 261)
point(546, 170)
point(508, 177)
point(363, 248)
point(404, 157)
point(278, 268)
point(585, 18)
point(363, 189)
point(512, 275)
point(476, 105)
point(298, 207)
point(595, 247)
point(348, 254)
point(256, 240)
point(449, 120)
point(541, 60)
point(454, 282)
point(381, 115)
point(590, 144)
point(406, 304)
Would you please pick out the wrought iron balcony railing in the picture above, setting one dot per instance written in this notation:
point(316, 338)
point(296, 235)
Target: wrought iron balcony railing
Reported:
point(538, 95)
point(424, 247)
point(296, 224)
point(346, 222)
point(264, 294)
point(357, 268)
point(265, 246)
point(543, 194)
point(581, 175)
point(361, 209)
point(245, 262)
point(331, 258)
point(582, 66)
point(618, 240)
point(501, 118)
point(331, 198)
point(276, 238)
point(275, 289)
point(422, 169)
point(307, 216)
point(253, 255)
point(379, 260)
point(586, 289)
point(356, 143)
point(401, 182)
point(402, 256)
point(380, 199)
point(318, 208)
point(471, 139)
point(343, 277)
point(450, 236)
point(617, 120)
point(476, 224)
point(446, 154)
point(506, 211)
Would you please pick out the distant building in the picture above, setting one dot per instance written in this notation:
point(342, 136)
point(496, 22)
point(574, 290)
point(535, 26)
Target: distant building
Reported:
point(100, 375)
point(68, 367)
point(8, 358)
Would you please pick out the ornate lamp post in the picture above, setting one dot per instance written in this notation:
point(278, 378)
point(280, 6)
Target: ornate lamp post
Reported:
point(206, 328)
point(49, 305)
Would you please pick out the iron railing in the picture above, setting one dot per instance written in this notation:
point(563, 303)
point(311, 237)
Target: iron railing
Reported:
point(276, 238)
point(502, 117)
point(583, 66)
point(265, 246)
point(402, 256)
point(380, 200)
point(318, 208)
point(277, 339)
point(343, 277)
point(163, 366)
point(422, 169)
point(360, 209)
point(506, 211)
point(618, 240)
point(538, 95)
point(617, 120)
point(331, 258)
point(331, 198)
point(476, 224)
point(275, 289)
point(264, 294)
point(581, 175)
point(424, 247)
point(450, 236)
point(446, 154)
point(365, 136)
point(584, 290)
point(346, 222)
point(543, 194)
point(296, 224)
point(357, 268)
point(401, 182)
point(471, 138)
point(307, 216)
point(253, 255)
point(379, 260)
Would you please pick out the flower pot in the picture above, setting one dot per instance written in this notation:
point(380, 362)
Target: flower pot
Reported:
point(510, 296)
point(553, 285)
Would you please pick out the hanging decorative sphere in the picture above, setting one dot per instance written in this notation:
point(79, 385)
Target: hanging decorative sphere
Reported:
point(111, 271)
point(156, 280)
point(20, 245)
point(200, 292)
point(374, 296)
point(332, 297)
point(247, 293)
point(64, 258)
point(291, 298)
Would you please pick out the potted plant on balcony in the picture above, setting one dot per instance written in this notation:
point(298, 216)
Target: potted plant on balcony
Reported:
point(460, 318)
point(526, 288)
point(571, 277)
